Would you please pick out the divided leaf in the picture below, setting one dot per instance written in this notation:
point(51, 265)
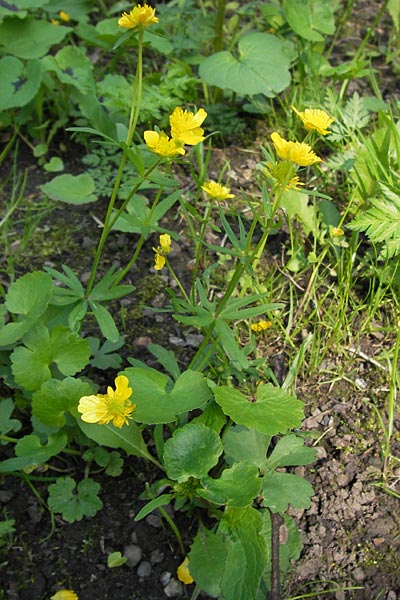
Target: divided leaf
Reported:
point(73, 503)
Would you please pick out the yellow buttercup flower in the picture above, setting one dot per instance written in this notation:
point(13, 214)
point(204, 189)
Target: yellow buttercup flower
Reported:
point(161, 251)
point(336, 231)
point(64, 16)
point(64, 595)
point(260, 326)
point(298, 152)
point(114, 406)
point(284, 175)
point(315, 119)
point(217, 191)
point(142, 16)
point(160, 144)
point(185, 126)
point(183, 572)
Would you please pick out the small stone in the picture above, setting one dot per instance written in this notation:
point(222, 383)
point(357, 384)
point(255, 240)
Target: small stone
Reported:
point(156, 556)
point(174, 589)
point(142, 341)
point(154, 521)
point(359, 574)
point(134, 555)
point(165, 578)
point(6, 496)
point(144, 569)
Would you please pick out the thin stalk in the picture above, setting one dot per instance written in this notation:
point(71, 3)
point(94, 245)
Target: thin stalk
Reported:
point(199, 244)
point(392, 400)
point(176, 279)
point(135, 108)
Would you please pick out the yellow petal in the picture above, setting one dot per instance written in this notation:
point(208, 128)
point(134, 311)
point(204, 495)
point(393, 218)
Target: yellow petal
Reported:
point(183, 572)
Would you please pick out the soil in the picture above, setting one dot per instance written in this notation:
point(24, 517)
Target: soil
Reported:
point(351, 533)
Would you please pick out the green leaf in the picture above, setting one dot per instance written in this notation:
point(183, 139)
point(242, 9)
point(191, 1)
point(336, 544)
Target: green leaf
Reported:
point(154, 404)
point(166, 358)
point(281, 489)
point(115, 559)
point(128, 438)
point(72, 67)
point(30, 38)
point(207, 561)
point(55, 164)
point(290, 451)
point(104, 356)
point(31, 453)
point(230, 345)
point(191, 452)
point(19, 83)
point(73, 503)
point(30, 294)
point(72, 189)
point(112, 461)
point(7, 424)
point(31, 364)
point(310, 18)
point(246, 445)
point(237, 487)
point(56, 397)
point(162, 500)
point(262, 66)
point(247, 554)
point(105, 321)
point(273, 411)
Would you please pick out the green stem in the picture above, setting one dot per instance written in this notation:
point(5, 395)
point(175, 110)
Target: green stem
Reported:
point(199, 244)
point(392, 400)
point(176, 279)
point(135, 108)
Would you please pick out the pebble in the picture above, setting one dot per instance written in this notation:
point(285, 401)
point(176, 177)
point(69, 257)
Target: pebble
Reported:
point(134, 555)
point(165, 578)
point(144, 569)
point(174, 589)
point(6, 496)
point(154, 521)
point(156, 556)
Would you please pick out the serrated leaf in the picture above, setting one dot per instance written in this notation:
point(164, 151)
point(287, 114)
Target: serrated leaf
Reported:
point(207, 558)
point(104, 356)
point(246, 445)
point(72, 67)
point(31, 364)
point(154, 404)
point(281, 489)
point(237, 487)
point(30, 294)
point(290, 451)
point(247, 554)
point(31, 453)
point(273, 411)
point(191, 452)
point(115, 559)
point(73, 503)
point(56, 397)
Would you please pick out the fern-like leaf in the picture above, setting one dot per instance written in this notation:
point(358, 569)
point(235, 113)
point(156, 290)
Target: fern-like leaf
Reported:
point(381, 222)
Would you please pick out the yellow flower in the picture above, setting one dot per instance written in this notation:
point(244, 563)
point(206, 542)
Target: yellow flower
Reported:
point(315, 119)
point(113, 406)
point(64, 595)
point(64, 16)
point(336, 231)
point(217, 191)
point(161, 251)
point(297, 152)
point(185, 126)
point(260, 326)
point(183, 572)
point(142, 16)
point(284, 175)
point(160, 144)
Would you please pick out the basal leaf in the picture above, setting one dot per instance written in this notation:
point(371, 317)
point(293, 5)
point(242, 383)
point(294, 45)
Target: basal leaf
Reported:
point(273, 410)
point(207, 558)
point(73, 503)
point(262, 66)
point(237, 487)
point(310, 18)
point(72, 67)
point(19, 82)
point(72, 189)
point(191, 452)
point(156, 404)
point(30, 294)
point(30, 38)
point(281, 489)
point(56, 397)
point(246, 445)
point(30, 452)
point(290, 451)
